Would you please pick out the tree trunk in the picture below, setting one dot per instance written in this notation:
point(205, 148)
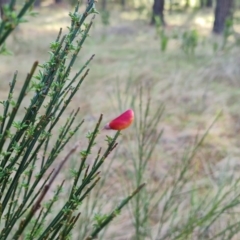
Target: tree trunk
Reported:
point(123, 3)
point(58, 1)
point(37, 3)
point(209, 3)
point(158, 9)
point(206, 3)
point(223, 11)
point(104, 4)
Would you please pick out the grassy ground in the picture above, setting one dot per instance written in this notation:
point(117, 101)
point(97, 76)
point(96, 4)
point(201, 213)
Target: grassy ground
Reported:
point(194, 89)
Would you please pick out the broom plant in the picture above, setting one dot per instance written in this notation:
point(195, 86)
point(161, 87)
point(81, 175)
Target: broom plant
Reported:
point(30, 147)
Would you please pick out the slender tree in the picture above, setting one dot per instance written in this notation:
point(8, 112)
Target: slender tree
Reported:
point(37, 3)
point(123, 3)
point(223, 11)
point(104, 4)
point(209, 3)
point(158, 10)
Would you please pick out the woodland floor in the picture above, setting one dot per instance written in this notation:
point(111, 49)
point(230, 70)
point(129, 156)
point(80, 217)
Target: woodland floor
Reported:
point(193, 89)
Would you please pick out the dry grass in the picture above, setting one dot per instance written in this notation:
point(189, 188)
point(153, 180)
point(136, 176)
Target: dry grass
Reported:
point(193, 89)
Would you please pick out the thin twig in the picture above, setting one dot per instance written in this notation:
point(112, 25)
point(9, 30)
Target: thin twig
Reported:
point(37, 205)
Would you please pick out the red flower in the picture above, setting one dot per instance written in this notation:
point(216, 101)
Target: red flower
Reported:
point(121, 122)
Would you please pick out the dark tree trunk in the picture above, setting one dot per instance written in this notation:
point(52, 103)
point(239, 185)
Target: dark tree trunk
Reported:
point(206, 3)
point(158, 10)
point(223, 11)
point(37, 3)
point(209, 3)
point(104, 4)
point(58, 1)
point(123, 3)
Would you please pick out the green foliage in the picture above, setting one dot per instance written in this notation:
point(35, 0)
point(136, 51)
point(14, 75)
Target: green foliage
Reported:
point(178, 204)
point(4, 50)
point(103, 220)
point(11, 18)
point(105, 17)
point(29, 145)
point(190, 41)
point(147, 136)
point(227, 32)
point(141, 9)
point(161, 34)
point(215, 47)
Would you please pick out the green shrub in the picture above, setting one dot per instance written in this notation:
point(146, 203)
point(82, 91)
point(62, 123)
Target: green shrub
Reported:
point(190, 41)
point(161, 34)
point(30, 144)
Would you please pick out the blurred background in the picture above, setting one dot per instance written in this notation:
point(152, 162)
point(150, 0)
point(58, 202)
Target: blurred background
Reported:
point(177, 64)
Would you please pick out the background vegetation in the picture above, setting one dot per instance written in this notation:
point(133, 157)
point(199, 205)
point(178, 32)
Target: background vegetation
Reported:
point(182, 80)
